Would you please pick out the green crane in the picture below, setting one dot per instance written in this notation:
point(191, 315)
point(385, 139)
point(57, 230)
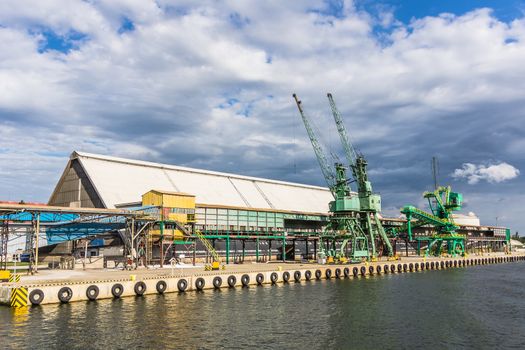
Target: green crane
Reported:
point(442, 202)
point(369, 202)
point(353, 217)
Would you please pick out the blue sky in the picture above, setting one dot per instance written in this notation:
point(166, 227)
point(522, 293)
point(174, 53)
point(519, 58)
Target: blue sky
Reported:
point(406, 10)
point(208, 84)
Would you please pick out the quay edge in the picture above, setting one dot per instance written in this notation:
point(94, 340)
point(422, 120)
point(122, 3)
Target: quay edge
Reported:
point(51, 291)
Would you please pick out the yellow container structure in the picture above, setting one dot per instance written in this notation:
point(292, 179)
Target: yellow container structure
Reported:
point(5, 275)
point(174, 206)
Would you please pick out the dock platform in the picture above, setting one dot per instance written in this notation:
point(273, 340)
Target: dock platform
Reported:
point(63, 286)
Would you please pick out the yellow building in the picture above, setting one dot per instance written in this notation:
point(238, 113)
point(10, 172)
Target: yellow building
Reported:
point(173, 206)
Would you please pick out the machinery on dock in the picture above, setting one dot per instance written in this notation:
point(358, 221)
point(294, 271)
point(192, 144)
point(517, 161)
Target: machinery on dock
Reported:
point(354, 222)
point(442, 202)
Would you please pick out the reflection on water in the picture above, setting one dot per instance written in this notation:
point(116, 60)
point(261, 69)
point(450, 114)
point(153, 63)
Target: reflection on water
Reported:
point(477, 307)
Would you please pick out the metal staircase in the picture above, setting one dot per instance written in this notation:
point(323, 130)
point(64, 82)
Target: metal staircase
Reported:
point(201, 238)
point(207, 245)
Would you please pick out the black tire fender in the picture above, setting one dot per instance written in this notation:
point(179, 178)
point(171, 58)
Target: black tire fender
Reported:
point(318, 274)
point(232, 280)
point(117, 290)
point(36, 296)
point(161, 287)
point(346, 272)
point(217, 282)
point(245, 280)
point(308, 275)
point(328, 274)
point(371, 270)
point(274, 277)
point(378, 269)
point(140, 288)
point(200, 283)
point(286, 276)
point(337, 273)
point(259, 279)
point(355, 271)
point(182, 285)
point(65, 294)
point(92, 292)
point(363, 270)
point(297, 276)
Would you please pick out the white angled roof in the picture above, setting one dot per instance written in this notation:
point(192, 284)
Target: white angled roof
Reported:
point(119, 180)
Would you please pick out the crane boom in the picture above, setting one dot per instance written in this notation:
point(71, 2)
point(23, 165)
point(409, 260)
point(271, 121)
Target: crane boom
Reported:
point(326, 169)
point(351, 154)
point(357, 162)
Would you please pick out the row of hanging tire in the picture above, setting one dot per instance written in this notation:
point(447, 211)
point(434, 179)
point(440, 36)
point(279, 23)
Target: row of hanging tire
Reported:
point(65, 293)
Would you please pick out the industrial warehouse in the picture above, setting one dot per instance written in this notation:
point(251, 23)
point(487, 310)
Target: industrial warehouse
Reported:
point(244, 218)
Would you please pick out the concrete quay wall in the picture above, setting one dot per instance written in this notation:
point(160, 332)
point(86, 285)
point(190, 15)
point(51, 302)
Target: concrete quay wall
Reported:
point(26, 293)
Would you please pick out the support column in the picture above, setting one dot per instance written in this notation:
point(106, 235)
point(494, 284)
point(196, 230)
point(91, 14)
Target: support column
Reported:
point(37, 231)
point(315, 249)
point(85, 254)
point(243, 249)
point(284, 248)
point(269, 250)
point(133, 257)
point(194, 250)
point(306, 249)
point(228, 249)
point(257, 249)
point(161, 244)
point(293, 247)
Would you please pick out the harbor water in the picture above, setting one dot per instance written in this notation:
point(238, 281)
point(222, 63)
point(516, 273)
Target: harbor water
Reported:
point(480, 307)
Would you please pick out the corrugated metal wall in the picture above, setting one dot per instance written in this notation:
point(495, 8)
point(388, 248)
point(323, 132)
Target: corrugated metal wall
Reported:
point(75, 181)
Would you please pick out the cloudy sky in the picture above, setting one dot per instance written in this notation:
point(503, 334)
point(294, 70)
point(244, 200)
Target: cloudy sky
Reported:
point(208, 84)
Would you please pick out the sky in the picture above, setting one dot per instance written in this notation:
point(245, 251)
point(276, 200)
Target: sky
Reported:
point(209, 84)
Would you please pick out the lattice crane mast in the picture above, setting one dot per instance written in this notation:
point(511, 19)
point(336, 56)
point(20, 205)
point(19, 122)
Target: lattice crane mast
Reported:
point(326, 168)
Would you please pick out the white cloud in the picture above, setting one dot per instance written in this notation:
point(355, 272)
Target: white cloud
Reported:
point(491, 173)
